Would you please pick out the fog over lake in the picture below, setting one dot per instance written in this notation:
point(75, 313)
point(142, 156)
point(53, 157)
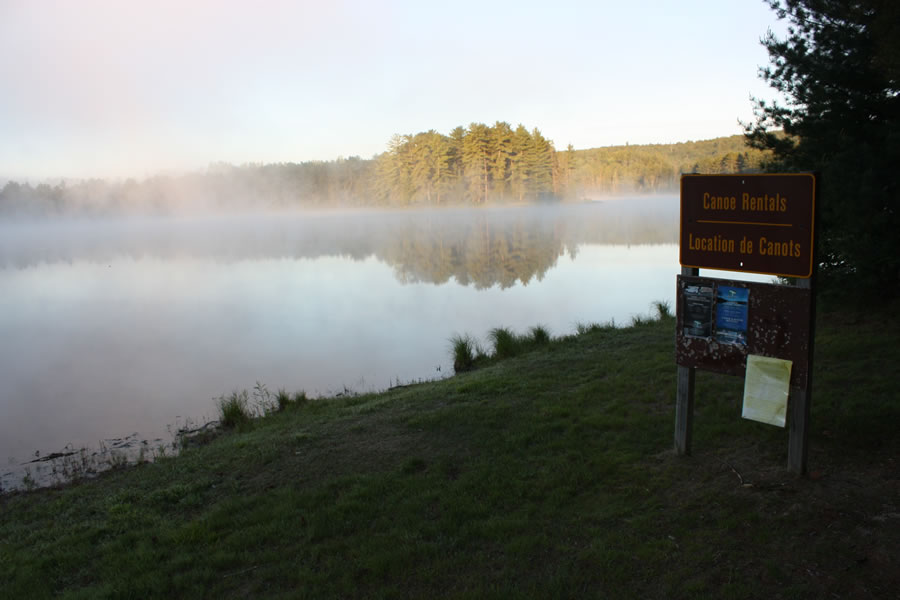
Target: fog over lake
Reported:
point(111, 327)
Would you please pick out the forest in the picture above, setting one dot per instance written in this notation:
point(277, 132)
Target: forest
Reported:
point(474, 165)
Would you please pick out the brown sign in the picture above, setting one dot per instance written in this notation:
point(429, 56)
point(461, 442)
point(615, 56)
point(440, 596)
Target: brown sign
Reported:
point(750, 223)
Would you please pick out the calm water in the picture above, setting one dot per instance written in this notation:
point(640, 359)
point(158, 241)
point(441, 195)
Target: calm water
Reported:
point(116, 327)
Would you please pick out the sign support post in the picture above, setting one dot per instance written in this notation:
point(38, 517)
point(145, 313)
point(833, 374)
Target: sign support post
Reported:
point(684, 401)
point(801, 400)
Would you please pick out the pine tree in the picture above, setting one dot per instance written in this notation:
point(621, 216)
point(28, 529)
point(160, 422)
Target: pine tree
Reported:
point(518, 166)
point(571, 165)
point(455, 180)
point(501, 151)
point(475, 157)
point(540, 165)
point(839, 68)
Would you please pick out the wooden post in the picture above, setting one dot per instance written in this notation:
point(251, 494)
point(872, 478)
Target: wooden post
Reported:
point(797, 438)
point(801, 398)
point(684, 410)
point(684, 399)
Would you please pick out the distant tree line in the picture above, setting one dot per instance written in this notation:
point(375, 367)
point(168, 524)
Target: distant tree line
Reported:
point(221, 188)
point(476, 165)
point(654, 167)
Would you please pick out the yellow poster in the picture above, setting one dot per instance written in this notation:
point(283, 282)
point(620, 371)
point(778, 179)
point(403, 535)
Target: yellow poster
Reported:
point(766, 388)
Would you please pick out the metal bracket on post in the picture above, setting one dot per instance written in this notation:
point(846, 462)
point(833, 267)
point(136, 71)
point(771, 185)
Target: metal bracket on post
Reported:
point(684, 400)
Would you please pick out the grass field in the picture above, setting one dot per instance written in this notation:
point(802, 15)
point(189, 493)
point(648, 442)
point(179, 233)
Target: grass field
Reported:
point(549, 474)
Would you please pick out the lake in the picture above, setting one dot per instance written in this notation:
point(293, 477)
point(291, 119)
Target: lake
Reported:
point(120, 330)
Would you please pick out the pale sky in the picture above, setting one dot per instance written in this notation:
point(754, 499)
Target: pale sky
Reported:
point(92, 88)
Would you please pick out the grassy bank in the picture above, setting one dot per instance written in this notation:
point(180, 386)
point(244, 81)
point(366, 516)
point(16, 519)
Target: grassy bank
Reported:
point(549, 474)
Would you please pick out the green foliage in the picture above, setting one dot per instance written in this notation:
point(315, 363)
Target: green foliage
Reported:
point(464, 350)
point(838, 69)
point(506, 343)
point(657, 167)
point(663, 309)
point(539, 335)
point(282, 398)
point(475, 162)
point(234, 409)
point(497, 164)
point(264, 402)
point(478, 164)
point(589, 328)
point(640, 320)
point(285, 400)
point(467, 355)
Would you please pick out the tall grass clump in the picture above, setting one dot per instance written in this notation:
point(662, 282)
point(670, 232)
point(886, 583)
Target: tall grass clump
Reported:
point(506, 343)
point(284, 400)
point(583, 328)
point(539, 335)
point(234, 409)
point(264, 402)
point(663, 309)
point(464, 350)
point(641, 320)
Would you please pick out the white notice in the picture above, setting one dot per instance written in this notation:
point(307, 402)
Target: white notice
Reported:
point(766, 388)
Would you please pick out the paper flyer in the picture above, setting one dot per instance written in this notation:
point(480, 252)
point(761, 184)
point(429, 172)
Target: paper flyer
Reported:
point(731, 315)
point(766, 389)
point(698, 303)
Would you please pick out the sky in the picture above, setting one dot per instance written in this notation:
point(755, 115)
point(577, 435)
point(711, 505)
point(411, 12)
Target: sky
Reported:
point(93, 88)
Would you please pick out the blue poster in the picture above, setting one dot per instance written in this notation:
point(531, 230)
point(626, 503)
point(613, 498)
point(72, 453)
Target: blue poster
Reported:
point(731, 314)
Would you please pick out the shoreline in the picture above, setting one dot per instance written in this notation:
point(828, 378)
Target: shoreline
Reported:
point(542, 474)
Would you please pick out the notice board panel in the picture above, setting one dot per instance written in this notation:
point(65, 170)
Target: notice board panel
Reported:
point(766, 319)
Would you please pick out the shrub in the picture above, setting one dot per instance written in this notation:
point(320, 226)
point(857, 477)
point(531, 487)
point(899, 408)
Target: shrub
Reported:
point(234, 410)
point(583, 328)
point(506, 344)
point(263, 402)
point(539, 335)
point(663, 309)
point(464, 348)
point(639, 320)
point(283, 399)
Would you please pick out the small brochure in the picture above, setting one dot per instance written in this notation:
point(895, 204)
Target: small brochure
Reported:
point(731, 315)
point(766, 389)
point(698, 303)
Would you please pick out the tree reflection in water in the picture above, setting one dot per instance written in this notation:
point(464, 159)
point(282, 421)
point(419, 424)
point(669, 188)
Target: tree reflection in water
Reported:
point(479, 247)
